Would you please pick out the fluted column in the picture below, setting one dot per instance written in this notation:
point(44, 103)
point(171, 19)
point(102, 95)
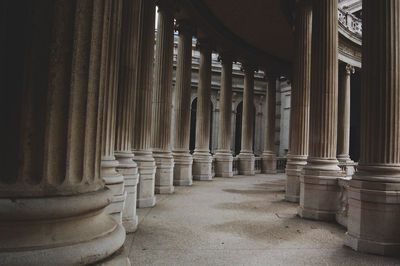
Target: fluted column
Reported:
point(246, 155)
point(109, 86)
point(162, 102)
point(223, 156)
point(374, 193)
point(269, 154)
point(319, 190)
point(345, 163)
point(123, 151)
point(52, 195)
point(142, 105)
point(300, 102)
point(202, 159)
point(182, 157)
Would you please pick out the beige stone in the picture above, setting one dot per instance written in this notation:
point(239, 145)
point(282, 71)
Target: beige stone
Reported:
point(162, 102)
point(246, 156)
point(223, 156)
point(109, 88)
point(53, 197)
point(319, 190)
point(374, 193)
point(202, 159)
point(182, 158)
point(268, 164)
point(143, 89)
point(300, 102)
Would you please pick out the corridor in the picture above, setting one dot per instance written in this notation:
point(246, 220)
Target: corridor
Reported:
point(237, 221)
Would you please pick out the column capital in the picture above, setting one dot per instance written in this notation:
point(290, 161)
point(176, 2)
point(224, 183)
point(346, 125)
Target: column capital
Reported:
point(226, 57)
point(268, 76)
point(248, 68)
point(349, 69)
point(184, 26)
point(204, 43)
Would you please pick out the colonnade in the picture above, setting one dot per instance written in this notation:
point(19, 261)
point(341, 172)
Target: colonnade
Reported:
point(89, 110)
point(89, 120)
point(318, 159)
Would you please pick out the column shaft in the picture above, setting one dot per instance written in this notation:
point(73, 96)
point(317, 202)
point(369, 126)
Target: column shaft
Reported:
point(319, 190)
point(345, 163)
point(124, 127)
point(246, 156)
point(162, 102)
point(109, 87)
point(374, 193)
point(300, 102)
point(142, 104)
point(269, 154)
point(182, 158)
point(202, 159)
point(51, 183)
point(223, 156)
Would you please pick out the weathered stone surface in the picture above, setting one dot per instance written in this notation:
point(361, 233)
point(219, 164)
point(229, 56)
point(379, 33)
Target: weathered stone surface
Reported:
point(143, 90)
point(300, 102)
point(246, 156)
point(319, 190)
point(223, 156)
point(268, 157)
point(374, 193)
point(182, 158)
point(202, 159)
point(52, 193)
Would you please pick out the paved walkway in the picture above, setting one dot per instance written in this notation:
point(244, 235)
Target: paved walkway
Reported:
point(237, 221)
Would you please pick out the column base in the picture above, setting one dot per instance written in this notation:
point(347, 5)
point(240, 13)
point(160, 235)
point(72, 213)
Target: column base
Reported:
point(294, 166)
point(223, 164)
point(343, 208)
point(319, 190)
point(164, 177)
point(202, 166)
point(374, 212)
point(147, 170)
point(183, 168)
point(347, 165)
point(128, 168)
point(115, 182)
point(268, 164)
point(130, 223)
point(119, 258)
point(246, 163)
point(58, 230)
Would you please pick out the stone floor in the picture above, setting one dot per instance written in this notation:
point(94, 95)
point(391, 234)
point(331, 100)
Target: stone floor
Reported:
point(237, 221)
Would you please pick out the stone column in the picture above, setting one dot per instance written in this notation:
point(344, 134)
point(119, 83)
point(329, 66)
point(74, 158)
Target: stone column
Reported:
point(223, 156)
point(182, 158)
point(109, 86)
point(202, 159)
point(142, 105)
point(246, 156)
point(374, 193)
point(124, 128)
point(52, 196)
point(269, 154)
point(319, 190)
point(345, 163)
point(300, 102)
point(162, 102)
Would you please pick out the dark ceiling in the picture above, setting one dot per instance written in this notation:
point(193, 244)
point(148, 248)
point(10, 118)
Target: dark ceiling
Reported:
point(260, 23)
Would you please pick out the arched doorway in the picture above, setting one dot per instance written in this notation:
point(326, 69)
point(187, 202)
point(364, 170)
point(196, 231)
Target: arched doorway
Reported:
point(238, 127)
point(193, 113)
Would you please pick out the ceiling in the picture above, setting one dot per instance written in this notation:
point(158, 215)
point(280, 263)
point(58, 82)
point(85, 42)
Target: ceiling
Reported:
point(260, 23)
